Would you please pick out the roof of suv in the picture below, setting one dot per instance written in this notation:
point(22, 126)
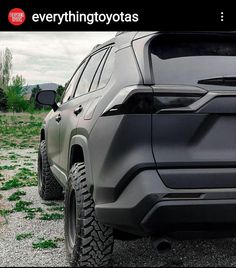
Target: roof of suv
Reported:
point(122, 39)
point(125, 38)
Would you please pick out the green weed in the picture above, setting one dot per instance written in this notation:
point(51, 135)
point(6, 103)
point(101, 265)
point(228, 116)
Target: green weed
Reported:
point(57, 208)
point(16, 196)
point(21, 206)
point(51, 216)
point(8, 167)
point(13, 183)
point(4, 213)
point(25, 177)
point(20, 237)
point(44, 244)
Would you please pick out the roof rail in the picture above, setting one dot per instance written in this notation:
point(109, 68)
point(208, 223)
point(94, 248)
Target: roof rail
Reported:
point(119, 33)
point(96, 46)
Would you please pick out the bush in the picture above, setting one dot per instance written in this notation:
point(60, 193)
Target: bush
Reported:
point(3, 100)
point(15, 95)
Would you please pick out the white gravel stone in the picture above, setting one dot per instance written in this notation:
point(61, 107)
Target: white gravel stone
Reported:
point(138, 253)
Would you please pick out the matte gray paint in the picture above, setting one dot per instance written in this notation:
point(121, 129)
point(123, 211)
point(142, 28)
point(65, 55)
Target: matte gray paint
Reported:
point(191, 139)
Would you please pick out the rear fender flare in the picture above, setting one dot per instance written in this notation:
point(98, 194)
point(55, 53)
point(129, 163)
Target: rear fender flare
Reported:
point(83, 142)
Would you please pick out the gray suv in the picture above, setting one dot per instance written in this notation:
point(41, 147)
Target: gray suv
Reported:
point(143, 141)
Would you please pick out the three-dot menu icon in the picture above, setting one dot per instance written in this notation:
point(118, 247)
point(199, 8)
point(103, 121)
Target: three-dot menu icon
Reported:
point(221, 16)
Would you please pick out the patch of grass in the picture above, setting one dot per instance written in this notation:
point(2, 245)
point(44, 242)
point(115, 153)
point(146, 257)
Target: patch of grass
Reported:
point(31, 118)
point(4, 213)
point(13, 183)
point(22, 236)
point(57, 208)
point(19, 128)
point(30, 216)
point(13, 157)
point(16, 196)
point(8, 167)
point(21, 206)
point(44, 244)
point(31, 213)
point(51, 216)
point(25, 177)
point(28, 164)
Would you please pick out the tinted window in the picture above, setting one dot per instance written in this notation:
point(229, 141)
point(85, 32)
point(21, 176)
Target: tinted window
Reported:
point(107, 69)
point(72, 84)
point(188, 59)
point(96, 79)
point(88, 74)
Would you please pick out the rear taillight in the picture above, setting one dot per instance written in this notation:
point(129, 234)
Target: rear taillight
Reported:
point(148, 100)
point(170, 101)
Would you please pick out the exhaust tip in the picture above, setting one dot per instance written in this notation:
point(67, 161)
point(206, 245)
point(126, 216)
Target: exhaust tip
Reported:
point(162, 245)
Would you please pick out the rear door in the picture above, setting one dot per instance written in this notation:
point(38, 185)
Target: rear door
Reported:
point(76, 107)
point(53, 128)
point(194, 124)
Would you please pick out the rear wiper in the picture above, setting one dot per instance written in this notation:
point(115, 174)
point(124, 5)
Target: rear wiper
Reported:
point(224, 81)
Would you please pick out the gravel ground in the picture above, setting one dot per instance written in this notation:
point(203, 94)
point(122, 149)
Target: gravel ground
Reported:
point(196, 253)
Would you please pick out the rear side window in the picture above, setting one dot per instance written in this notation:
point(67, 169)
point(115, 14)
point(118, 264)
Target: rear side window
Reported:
point(188, 59)
point(72, 84)
point(97, 76)
point(107, 69)
point(88, 73)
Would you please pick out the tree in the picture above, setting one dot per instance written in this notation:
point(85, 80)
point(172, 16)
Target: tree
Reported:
point(3, 100)
point(34, 92)
point(15, 94)
point(60, 91)
point(5, 68)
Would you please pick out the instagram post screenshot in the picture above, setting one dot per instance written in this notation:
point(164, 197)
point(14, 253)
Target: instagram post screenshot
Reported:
point(117, 136)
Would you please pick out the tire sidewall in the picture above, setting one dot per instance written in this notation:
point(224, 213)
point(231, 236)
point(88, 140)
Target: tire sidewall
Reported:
point(70, 250)
point(40, 170)
point(93, 241)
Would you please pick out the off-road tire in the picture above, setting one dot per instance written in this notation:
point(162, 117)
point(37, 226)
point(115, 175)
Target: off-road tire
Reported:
point(88, 242)
point(48, 187)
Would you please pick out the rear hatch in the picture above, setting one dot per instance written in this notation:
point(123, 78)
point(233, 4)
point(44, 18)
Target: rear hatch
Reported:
point(194, 123)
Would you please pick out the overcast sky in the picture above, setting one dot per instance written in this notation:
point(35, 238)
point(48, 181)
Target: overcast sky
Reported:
point(42, 57)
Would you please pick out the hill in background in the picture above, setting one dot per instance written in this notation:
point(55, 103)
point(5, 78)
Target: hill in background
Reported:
point(44, 86)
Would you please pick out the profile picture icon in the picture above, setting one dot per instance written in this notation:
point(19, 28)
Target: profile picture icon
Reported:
point(16, 16)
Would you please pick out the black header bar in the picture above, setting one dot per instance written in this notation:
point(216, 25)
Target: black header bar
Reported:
point(34, 18)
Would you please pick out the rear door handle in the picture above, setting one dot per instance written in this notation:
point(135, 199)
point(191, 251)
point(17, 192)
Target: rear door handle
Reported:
point(78, 110)
point(58, 118)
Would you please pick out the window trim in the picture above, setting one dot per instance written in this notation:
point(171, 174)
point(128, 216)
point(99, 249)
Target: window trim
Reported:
point(99, 88)
point(106, 57)
point(61, 101)
point(88, 59)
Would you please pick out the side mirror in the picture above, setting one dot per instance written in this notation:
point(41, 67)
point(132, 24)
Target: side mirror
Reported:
point(48, 98)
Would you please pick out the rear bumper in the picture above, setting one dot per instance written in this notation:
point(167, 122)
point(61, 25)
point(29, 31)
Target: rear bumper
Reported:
point(175, 216)
point(148, 207)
